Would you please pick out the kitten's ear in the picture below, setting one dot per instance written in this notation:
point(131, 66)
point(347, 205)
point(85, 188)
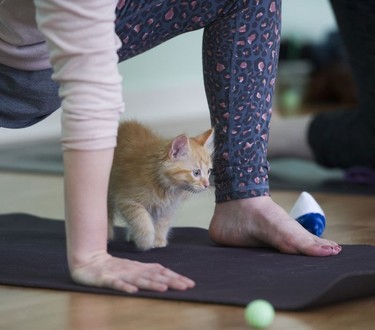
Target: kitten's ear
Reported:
point(180, 147)
point(206, 140)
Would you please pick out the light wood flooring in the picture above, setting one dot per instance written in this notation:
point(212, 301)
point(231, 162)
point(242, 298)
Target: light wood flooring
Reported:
point(351, 220)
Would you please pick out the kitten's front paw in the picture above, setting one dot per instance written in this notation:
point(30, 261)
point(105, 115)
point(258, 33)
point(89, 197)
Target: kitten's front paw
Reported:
point(145, 244)
point(161, 242)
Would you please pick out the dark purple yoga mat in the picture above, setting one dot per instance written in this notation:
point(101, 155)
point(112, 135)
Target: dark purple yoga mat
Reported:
point(32, 254)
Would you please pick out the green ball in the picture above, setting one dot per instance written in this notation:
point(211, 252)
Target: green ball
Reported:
point(259, 313)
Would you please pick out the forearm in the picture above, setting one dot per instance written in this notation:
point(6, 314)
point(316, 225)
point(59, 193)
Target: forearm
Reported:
point(83, 44)
point(86, 185)
point(83, 52)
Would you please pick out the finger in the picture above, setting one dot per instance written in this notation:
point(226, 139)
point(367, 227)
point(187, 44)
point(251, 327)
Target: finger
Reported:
point(171, 277)
point(151, 284)
point(159, 278)
point(149, 278)
point(163, 281)
point(177, 281)
point(118, 284)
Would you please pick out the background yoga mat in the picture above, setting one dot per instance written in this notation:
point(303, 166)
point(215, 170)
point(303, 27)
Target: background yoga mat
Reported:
point(32, 254)
point(41, 157)
point(45, 157)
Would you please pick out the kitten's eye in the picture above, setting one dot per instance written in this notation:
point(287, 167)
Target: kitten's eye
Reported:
point(196, 172)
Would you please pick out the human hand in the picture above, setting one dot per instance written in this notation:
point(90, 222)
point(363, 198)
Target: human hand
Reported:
point(104, 270)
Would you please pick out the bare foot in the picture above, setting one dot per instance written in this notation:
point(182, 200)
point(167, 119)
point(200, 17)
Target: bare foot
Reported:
point(260, 221)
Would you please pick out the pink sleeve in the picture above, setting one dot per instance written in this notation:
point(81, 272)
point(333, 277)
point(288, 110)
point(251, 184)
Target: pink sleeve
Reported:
point(83, 52)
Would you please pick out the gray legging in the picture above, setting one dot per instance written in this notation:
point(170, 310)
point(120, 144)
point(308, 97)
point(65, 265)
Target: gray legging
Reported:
point(347, 138)
point(240, 55)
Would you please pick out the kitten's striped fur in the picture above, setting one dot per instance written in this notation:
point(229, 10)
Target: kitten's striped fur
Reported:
point(150, 176)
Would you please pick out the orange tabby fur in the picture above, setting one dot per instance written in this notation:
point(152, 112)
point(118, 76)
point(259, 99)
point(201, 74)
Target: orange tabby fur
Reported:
point(150, 176)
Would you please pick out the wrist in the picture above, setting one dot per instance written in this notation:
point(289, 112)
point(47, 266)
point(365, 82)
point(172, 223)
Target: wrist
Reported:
point(86, 184)
point(81, 259)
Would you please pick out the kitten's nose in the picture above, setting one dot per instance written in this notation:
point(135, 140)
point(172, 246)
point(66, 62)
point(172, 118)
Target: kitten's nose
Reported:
point(206, 184)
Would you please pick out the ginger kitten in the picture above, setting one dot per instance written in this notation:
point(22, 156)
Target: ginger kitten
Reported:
point(150, 176)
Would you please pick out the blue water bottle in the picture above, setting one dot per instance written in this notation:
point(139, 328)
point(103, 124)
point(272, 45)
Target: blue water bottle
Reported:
point(309, 214)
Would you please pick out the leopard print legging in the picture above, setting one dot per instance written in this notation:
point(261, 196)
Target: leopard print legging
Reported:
point(240, 53)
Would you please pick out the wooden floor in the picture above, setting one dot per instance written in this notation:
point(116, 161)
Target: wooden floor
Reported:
point(351, 220)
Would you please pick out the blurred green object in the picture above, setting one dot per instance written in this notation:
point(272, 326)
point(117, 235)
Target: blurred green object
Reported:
point(290, 100)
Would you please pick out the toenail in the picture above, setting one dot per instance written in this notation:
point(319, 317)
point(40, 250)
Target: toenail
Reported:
point(327, 247)
point(338, 248)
